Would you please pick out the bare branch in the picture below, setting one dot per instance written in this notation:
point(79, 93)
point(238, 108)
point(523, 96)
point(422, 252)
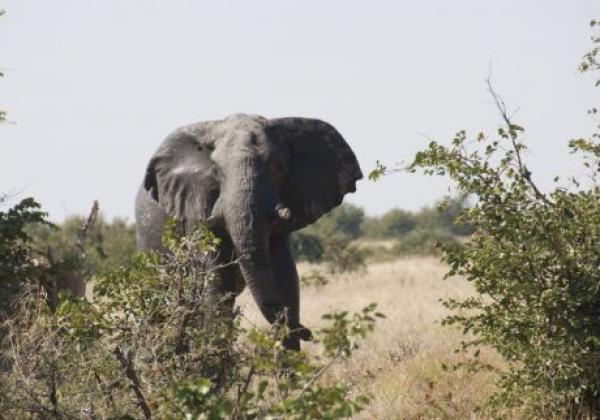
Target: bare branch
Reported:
point(242, 389)
point(126, 360)
point(522, 168)
point(319, 373)
point(83, 230)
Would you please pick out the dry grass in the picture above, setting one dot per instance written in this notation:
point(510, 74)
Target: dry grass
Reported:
point(400, 364)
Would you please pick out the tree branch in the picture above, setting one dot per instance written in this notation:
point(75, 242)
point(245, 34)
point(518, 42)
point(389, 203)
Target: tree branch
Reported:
point(126, 361)
point(523, 170)
point(83, 230)
point(320, 373)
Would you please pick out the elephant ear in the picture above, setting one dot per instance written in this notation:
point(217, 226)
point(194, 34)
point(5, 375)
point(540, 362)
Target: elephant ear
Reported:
point(181, 175)
point(323, 168)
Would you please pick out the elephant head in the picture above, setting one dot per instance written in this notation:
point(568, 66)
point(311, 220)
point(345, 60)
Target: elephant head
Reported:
point(255, 180)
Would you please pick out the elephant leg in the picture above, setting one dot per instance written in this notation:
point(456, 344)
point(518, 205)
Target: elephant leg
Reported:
point(287, 286)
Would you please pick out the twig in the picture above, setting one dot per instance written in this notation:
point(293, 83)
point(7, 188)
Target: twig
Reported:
point(243, 389)
point(83, 269)
point(126, 361)
point(320, 373)
point(52, 388)
point(83, 230)
point(6, 196)
point(110, 402)
point(180, 345)
point(523, 170)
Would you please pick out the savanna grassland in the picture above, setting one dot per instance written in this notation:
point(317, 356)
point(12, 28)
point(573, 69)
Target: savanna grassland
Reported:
point(401, 363)
point(149, 343)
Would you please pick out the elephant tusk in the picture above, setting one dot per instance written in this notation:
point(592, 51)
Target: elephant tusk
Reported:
point(284, 213)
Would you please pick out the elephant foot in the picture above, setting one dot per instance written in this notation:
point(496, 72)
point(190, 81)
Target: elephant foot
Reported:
point(292, 340)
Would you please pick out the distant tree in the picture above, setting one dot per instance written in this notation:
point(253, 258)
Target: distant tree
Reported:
point(424, 242)
point(307, 247)
point(440, 219)
point(391, 224)
point(329, 240)
point(444, 215)
point(109, 245)
point(344, 220)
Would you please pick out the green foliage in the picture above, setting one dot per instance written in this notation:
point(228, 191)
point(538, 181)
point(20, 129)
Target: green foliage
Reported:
point(307, 247)
point(424, 242)
point(444, 216)
point(16, 263)
point(590, 61)
point(392, 224)
point(295, 393)
point(397, 223)
point(379, 171)
point(344, 220)
point(341, 256)
point(109, 245)
point(533, 259)
point(153, 343)
point(329, 240)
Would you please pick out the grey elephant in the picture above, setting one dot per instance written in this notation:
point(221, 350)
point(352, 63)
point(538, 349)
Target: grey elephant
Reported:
point(253, 180)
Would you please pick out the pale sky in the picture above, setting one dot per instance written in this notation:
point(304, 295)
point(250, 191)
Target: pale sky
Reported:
point(92, 87)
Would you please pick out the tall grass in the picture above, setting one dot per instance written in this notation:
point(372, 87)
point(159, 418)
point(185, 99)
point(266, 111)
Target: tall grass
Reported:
point(402, 363)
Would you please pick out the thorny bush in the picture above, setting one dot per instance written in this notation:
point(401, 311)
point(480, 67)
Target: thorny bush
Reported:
point(150, 344)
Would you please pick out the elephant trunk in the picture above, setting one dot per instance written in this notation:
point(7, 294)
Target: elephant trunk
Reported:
point(246, 217)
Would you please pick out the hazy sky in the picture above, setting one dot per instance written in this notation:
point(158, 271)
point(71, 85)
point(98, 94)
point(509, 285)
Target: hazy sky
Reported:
point(94, 86)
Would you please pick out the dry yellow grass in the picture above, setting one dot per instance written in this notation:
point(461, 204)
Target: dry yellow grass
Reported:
point(400, 364)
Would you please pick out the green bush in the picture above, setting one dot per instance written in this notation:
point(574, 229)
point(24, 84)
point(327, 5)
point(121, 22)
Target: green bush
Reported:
point(391, 224)
point(344, 220)
point(424, 242)
point(534, 262)
point(307, 247)
point(341, 256)
point(444, 216)
point(152, 344)
point(109, 245)
point(17, 267)
point(397, 223)
point(329, 240)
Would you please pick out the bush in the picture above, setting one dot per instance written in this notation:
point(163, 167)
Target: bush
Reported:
point(397, 223)
point(340, 256)
point(444, 216)
point(344, 220)
point(109, 245)
point(329, 240)
point(533, 259)
point(17, 267)
point(307, 247)
point(391, 224)
point(151, 344)
point(424, 242)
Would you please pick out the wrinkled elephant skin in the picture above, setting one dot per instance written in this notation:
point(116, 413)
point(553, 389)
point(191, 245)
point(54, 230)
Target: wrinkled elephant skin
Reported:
point(253, 181)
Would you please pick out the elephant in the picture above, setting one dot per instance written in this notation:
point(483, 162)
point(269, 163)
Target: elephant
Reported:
point(253, 181)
